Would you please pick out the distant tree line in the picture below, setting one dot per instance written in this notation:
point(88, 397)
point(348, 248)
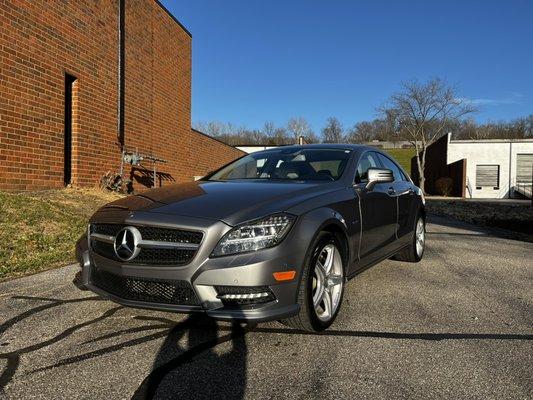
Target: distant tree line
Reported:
point(268, 135)
point(387, 127)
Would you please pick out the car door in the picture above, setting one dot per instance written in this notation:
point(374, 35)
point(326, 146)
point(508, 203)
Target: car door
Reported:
point(404, 193)
point(378, 211)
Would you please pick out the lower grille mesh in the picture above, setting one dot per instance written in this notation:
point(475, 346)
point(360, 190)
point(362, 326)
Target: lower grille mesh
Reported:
point(145, 290)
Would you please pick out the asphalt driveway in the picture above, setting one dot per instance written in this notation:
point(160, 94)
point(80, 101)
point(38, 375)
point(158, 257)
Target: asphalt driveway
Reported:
point(457, 325)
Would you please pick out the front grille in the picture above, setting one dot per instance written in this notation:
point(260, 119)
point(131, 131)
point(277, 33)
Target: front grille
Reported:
point(147, 255)
point(144, 289)
point(152, 233)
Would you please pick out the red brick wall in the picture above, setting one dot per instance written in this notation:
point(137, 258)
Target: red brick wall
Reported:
point(41, 40)
point(202, 162)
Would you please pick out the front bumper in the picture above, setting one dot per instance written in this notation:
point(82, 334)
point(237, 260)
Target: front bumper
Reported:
point(204, 274)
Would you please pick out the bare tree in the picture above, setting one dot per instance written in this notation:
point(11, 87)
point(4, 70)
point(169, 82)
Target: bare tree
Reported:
point(529, 125)
point(281, 137)
point(361, 132)
point(269, 128)
point(390, 127)
point(299, 127)
point(423, 111)
point(333, 131)
point(311, 137)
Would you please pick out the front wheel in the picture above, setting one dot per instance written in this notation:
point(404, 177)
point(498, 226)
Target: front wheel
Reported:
point(415, 251)
point(322, 286)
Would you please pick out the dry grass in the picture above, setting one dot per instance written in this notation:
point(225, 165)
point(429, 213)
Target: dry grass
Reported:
point(38, 230)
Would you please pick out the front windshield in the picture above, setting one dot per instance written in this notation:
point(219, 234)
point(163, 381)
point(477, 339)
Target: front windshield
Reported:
point(287, 164)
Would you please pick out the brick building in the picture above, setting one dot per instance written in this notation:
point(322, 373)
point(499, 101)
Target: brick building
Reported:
point(81, 80)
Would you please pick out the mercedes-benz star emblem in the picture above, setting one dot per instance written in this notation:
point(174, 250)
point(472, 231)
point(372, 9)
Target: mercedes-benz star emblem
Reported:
point(127, 243)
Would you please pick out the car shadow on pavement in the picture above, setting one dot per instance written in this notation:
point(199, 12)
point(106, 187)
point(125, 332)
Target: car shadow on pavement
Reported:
point(190, 364)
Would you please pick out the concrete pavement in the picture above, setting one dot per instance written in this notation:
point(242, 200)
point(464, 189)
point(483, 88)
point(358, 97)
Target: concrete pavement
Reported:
point(457, 325)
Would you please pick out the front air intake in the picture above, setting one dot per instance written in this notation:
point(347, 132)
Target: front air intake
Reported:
point(173, 292)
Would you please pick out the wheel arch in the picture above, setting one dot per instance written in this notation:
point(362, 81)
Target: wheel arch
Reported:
point(326, 219)
point(341, 235)
point(422, 212)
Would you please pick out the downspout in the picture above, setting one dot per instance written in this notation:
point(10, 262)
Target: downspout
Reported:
point(510, 165)
point(121, 72)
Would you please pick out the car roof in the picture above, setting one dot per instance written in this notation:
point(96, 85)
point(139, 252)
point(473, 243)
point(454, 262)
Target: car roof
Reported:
point(318, 146)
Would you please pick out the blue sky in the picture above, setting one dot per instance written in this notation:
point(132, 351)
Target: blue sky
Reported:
point(269, 60)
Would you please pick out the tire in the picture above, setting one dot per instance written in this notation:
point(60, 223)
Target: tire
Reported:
point(413, 252)
point(316, 280)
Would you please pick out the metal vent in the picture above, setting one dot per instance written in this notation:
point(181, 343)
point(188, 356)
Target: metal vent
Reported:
point(488, 176)
point(524, 168)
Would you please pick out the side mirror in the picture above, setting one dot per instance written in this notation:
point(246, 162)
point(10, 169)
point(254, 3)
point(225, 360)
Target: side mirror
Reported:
point(378, 175)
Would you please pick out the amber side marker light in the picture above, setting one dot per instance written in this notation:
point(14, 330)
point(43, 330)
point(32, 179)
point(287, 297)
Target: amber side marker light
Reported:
point(284, 275)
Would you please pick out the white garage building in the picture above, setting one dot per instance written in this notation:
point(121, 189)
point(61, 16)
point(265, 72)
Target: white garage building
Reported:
point(252, 148)
point(498, 168)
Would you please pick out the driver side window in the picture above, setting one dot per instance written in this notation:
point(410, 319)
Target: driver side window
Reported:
point(368, 160)
point(389, 164)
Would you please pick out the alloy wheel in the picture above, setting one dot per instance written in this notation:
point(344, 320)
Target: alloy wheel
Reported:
point(420, 237)
point(327, 282)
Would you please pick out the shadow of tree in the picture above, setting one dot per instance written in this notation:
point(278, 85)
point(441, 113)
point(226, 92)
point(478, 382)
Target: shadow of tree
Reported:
point(13, 357)
point(199, 358)
point(473, 229)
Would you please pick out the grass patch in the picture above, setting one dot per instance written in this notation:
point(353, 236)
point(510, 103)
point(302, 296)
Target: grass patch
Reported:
point(39, 230)
point(403, 156)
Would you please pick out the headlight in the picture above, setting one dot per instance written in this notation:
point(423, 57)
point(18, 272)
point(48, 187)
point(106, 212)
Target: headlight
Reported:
point(254, 235)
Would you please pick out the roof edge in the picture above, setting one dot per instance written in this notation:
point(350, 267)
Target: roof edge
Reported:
point(491, 141)
point(261, 145)
point(173, 17)
point(215, 139)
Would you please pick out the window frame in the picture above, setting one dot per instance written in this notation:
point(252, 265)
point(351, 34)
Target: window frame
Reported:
point(403, 178)
point(378, 165)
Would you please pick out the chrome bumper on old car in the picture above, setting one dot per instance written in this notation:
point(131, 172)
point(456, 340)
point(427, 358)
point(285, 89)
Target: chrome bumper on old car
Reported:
point(165, 264)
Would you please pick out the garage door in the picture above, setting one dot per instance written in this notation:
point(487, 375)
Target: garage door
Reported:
point(524, 165)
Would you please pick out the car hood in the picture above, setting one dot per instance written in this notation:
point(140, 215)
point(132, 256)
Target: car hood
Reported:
point(232, 202)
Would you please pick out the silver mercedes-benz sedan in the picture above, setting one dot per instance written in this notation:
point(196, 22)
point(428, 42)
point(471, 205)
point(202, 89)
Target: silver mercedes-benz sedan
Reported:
point(274, 235)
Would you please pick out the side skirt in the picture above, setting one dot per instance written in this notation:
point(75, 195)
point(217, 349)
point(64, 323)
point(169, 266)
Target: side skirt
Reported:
point(376, 261)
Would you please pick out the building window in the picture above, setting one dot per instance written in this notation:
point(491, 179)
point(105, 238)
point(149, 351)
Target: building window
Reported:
point(487, 176)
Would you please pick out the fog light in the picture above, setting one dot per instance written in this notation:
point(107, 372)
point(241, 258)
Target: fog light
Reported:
point(244, 295)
